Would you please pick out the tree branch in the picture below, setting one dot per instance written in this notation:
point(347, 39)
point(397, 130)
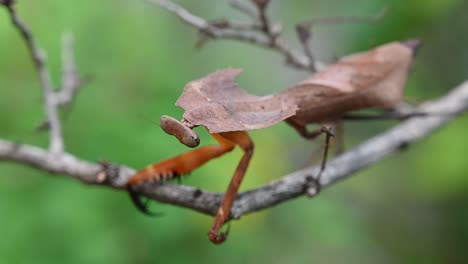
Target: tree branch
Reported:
point(264, 39)
point(304, 29)
point(291, 186)
point(38, 57)
point(70, 78)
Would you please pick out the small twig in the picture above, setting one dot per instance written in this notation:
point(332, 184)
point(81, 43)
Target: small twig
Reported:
point(184, 15)
point(292, 57)
point(262, 16)
point(304, 29)
point(236, 25)
point(70, 77)
point(308, 24)
point(50, 102)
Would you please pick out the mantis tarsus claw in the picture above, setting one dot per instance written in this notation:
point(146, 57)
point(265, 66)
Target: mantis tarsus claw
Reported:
point(139, 204)
point(219, 238)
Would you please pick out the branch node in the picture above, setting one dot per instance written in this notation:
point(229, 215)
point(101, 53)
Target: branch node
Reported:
point(259, 33)
point(312, 186)
point(276, 30)
point(110, 172)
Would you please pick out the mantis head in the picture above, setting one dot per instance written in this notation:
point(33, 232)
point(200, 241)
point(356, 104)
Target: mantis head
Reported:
point(182, 130)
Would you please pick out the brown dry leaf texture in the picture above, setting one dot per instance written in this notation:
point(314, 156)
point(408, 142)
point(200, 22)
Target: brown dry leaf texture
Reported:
point(217, 103)
point(375, 78)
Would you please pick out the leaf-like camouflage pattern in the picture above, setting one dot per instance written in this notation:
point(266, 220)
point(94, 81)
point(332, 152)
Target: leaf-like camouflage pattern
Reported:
point(375, 78)
point(217, 103)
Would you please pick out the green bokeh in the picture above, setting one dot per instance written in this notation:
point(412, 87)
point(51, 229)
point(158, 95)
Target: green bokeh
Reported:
point(411, 208)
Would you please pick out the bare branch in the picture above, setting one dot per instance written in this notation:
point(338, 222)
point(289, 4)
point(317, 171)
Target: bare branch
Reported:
point(50, 102)
point(290, 186)
point(264, 21)
point(64, 163)
point(183, 14)
point(70, 78)
point(308, 24)
point(236, 25)
point(304, 28)
point(263, 40)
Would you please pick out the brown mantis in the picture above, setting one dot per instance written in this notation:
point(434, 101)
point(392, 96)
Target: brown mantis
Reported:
point(372, 79)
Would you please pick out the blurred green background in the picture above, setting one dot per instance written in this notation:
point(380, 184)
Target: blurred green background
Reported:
point(411, 208)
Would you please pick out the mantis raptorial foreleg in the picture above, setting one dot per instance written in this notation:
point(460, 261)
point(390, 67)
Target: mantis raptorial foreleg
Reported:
point(185, 163)
point(176, 167)
point(182, 164)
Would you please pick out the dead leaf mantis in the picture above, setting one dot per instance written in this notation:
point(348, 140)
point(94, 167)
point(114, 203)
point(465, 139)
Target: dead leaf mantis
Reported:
point(371, 79)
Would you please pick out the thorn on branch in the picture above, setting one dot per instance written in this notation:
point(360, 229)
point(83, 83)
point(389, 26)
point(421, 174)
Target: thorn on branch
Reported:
point(43, 126)
point(202, 40)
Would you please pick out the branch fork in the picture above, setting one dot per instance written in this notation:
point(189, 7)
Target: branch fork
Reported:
point(70, 78)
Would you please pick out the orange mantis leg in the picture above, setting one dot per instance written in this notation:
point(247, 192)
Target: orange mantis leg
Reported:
point(182, 164)
point(189, 161)
point(175, 167)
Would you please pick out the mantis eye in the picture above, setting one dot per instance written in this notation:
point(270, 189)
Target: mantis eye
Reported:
point(182, 132)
